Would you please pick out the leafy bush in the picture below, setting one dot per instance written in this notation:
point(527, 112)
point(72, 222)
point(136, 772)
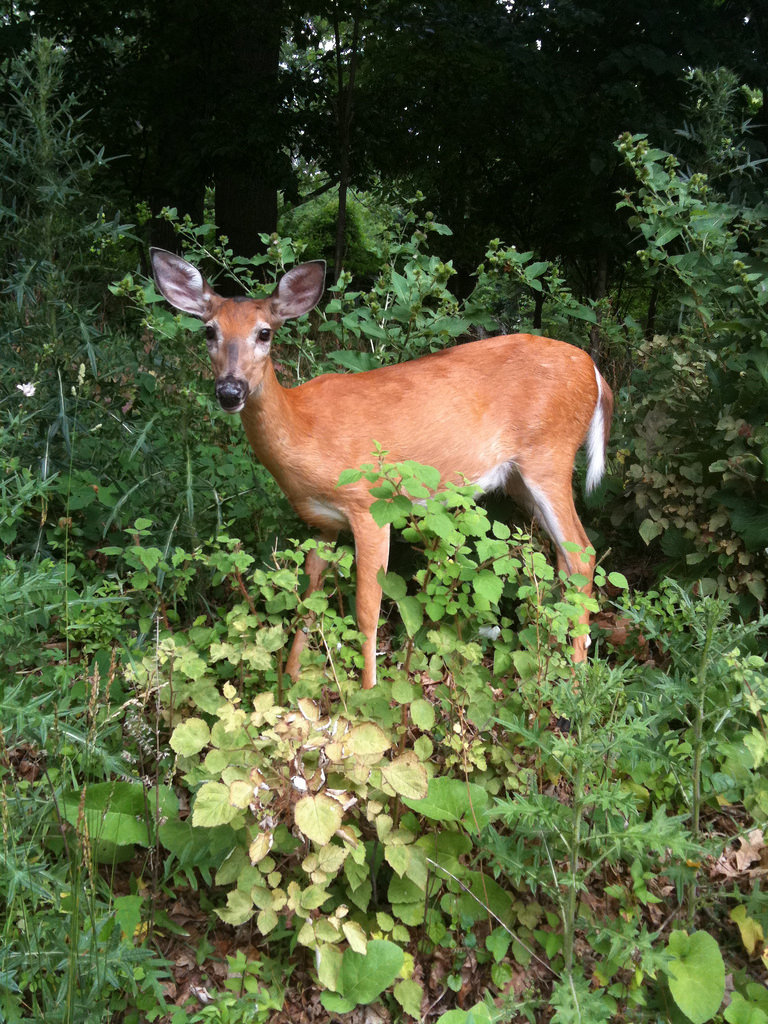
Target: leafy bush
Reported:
point(315, 224)
point(699, 473)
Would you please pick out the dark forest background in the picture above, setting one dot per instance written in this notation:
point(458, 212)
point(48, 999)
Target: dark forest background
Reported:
point(490, 835)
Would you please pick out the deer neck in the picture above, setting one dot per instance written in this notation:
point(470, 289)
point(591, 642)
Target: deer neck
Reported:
point(268, 418)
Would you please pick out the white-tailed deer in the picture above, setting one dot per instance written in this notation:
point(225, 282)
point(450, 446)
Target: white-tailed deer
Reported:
point(506, 413)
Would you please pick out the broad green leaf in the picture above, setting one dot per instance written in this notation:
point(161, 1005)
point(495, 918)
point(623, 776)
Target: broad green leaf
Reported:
point(498, 943)
point(318, 817)
point(398, 858)
point(212, 806)
point(481, 894)
point(149, 556)
point(238, 910)
point(350, 476)
point(367, 740)
point(404, 691)
point(534, 270)
point(190, 736)
point(649, 530)
point(409, 994)
point(412, 614)
point(423, 714)
point(478, 1014)
point(365, 976)
point(118, 813)
point(240, 793)
point(334, 1003)
point(696, 974)
point(488, 585)
point(128, 914)
point(453, 800)
point(266, 920)
point(328, 961)
point(407, 776)
point(190, 663)
point(744, 1011)
point(393, 586)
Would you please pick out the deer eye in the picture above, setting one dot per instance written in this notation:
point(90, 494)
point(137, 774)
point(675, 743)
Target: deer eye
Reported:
point(264, 334)
point(210, 333)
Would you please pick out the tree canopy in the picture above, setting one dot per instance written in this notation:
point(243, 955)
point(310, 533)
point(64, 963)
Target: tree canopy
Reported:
point(504, 115)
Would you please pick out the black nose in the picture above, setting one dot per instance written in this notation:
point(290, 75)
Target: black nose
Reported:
point(231, 393)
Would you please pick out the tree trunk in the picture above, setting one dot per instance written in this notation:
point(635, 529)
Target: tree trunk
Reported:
point(246, 207)
point(246, 110)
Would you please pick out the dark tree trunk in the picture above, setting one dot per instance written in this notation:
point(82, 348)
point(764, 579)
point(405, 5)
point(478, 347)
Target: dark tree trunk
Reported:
point(246, 114)
point(246, 207)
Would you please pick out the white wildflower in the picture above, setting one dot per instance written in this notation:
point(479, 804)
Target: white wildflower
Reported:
point(27, 390)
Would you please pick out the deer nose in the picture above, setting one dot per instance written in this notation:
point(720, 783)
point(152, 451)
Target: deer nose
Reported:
point(231, 393)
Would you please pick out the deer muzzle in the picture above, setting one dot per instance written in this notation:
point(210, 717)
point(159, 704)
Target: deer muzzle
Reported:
point(231, 393)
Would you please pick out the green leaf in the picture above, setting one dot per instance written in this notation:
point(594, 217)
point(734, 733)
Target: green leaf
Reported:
point(393, 586)
point(190, 736)
point(407, 776)
point(412, 614)
point(478, 1014)
point(350, 476)
point(618, 579)
point(488, 586)
point(367, 740)
point(365, 976)
point(453, 800)
point(212, 806)
point(696, 974)
point(149, 557)
point(743, 1011)
point(534, 270)
point(649, 530)
point(318, 817)
point(409, 994)
point(498, 943)
point(239, 908)
point(422, 714)
point(118, 813)
point(128, 914)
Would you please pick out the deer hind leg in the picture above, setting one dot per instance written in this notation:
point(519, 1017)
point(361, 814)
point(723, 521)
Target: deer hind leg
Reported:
point(371, 554)
point(314, 566)
point(551, 505)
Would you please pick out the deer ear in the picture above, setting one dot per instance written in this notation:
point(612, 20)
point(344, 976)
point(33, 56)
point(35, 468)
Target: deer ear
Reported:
point(181, 284)
point(299, 290)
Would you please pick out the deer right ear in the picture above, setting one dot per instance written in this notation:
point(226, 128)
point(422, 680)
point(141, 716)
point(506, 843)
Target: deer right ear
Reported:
point(181, 284)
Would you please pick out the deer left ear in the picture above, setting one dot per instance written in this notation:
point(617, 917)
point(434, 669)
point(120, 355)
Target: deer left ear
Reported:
point(299, 290)
point(181, 284)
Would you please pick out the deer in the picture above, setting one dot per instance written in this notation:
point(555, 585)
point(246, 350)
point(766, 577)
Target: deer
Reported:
point(507, 414)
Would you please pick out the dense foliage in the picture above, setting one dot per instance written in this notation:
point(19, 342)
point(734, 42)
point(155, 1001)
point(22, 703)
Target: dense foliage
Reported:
point(487, 836)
